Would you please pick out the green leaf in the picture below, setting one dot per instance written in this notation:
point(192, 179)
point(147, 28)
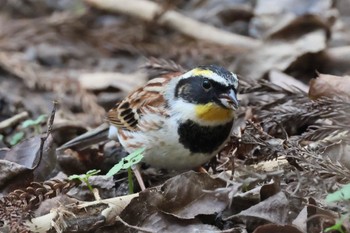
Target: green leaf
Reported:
point(1, 137)
point(28, 123)
point(16, 138)
point(338, 226)
point(92, 172)
point(74, 177)
point(341, 194)
point(85, 176)
point(127, 162)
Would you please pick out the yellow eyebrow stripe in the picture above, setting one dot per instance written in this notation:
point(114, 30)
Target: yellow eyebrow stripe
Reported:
point(199, 72)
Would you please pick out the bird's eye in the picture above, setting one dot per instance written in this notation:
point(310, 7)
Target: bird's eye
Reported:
point(206, 85)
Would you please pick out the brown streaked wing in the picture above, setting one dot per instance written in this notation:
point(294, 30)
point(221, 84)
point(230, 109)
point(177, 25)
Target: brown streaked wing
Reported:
point(148, 99)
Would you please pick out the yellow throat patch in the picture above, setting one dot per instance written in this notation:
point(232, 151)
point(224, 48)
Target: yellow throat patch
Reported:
point(213, 112)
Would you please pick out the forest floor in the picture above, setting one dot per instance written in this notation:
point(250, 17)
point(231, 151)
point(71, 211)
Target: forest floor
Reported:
point(65, 63)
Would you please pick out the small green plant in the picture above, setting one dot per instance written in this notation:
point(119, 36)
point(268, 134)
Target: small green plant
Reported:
point(340, 195)
point(16, 138)
point(338, 226)
point(126, 163)
point(35, 123)
point(343, 194)
point(85, 177)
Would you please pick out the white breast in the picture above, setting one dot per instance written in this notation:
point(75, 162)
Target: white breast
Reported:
point(162, 148)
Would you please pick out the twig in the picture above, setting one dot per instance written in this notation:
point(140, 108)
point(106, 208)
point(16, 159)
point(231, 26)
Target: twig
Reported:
point(147, 10)
point(134, 227)
point(36, 77)
point(297, 172)
point(44, 138)
point(96, 194)
point(124, 82)
point(13, 120)
point(114, 207)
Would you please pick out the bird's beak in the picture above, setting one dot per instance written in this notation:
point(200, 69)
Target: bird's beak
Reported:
point(229, 100)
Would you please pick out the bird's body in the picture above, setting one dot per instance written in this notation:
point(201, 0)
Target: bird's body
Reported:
point(181, 120)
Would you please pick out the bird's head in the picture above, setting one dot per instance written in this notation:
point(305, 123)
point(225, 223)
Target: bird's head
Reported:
point(207, 94)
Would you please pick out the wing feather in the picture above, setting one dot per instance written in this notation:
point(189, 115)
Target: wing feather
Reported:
point(130, 113)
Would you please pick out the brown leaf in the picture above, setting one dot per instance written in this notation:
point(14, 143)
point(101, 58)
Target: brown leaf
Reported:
point(269, 190)
point(191, 194)
point(339, 153)
point(25, 153)
point(326, 85)
point(123, 82)
point(105, 186)
point(274, 209)
point(23, 158)
point(174, 207)
point(285, 81)
point(10, 170)
point(279, 54)
point(290, 18)
point(273, 228)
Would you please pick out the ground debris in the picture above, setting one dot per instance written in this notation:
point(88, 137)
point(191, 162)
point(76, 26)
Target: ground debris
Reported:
point(288, 150)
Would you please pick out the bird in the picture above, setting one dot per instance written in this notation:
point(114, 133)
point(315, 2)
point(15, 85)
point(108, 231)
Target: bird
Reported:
point(181, 119)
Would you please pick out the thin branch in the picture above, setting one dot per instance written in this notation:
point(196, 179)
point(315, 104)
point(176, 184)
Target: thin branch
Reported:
point(112, 208)
point(49, 129)
point(147, 10)
point(13, 120)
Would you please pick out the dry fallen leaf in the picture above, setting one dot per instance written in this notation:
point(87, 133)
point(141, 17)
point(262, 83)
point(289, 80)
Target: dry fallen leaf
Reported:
point(326, 85)
point(279, 54)
point(274, 228)
point(285, 81)
point(274, 210)
point(102, 81)
point(175, 206)
point(22, 158)
point(289, 18)
point(10, 170)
